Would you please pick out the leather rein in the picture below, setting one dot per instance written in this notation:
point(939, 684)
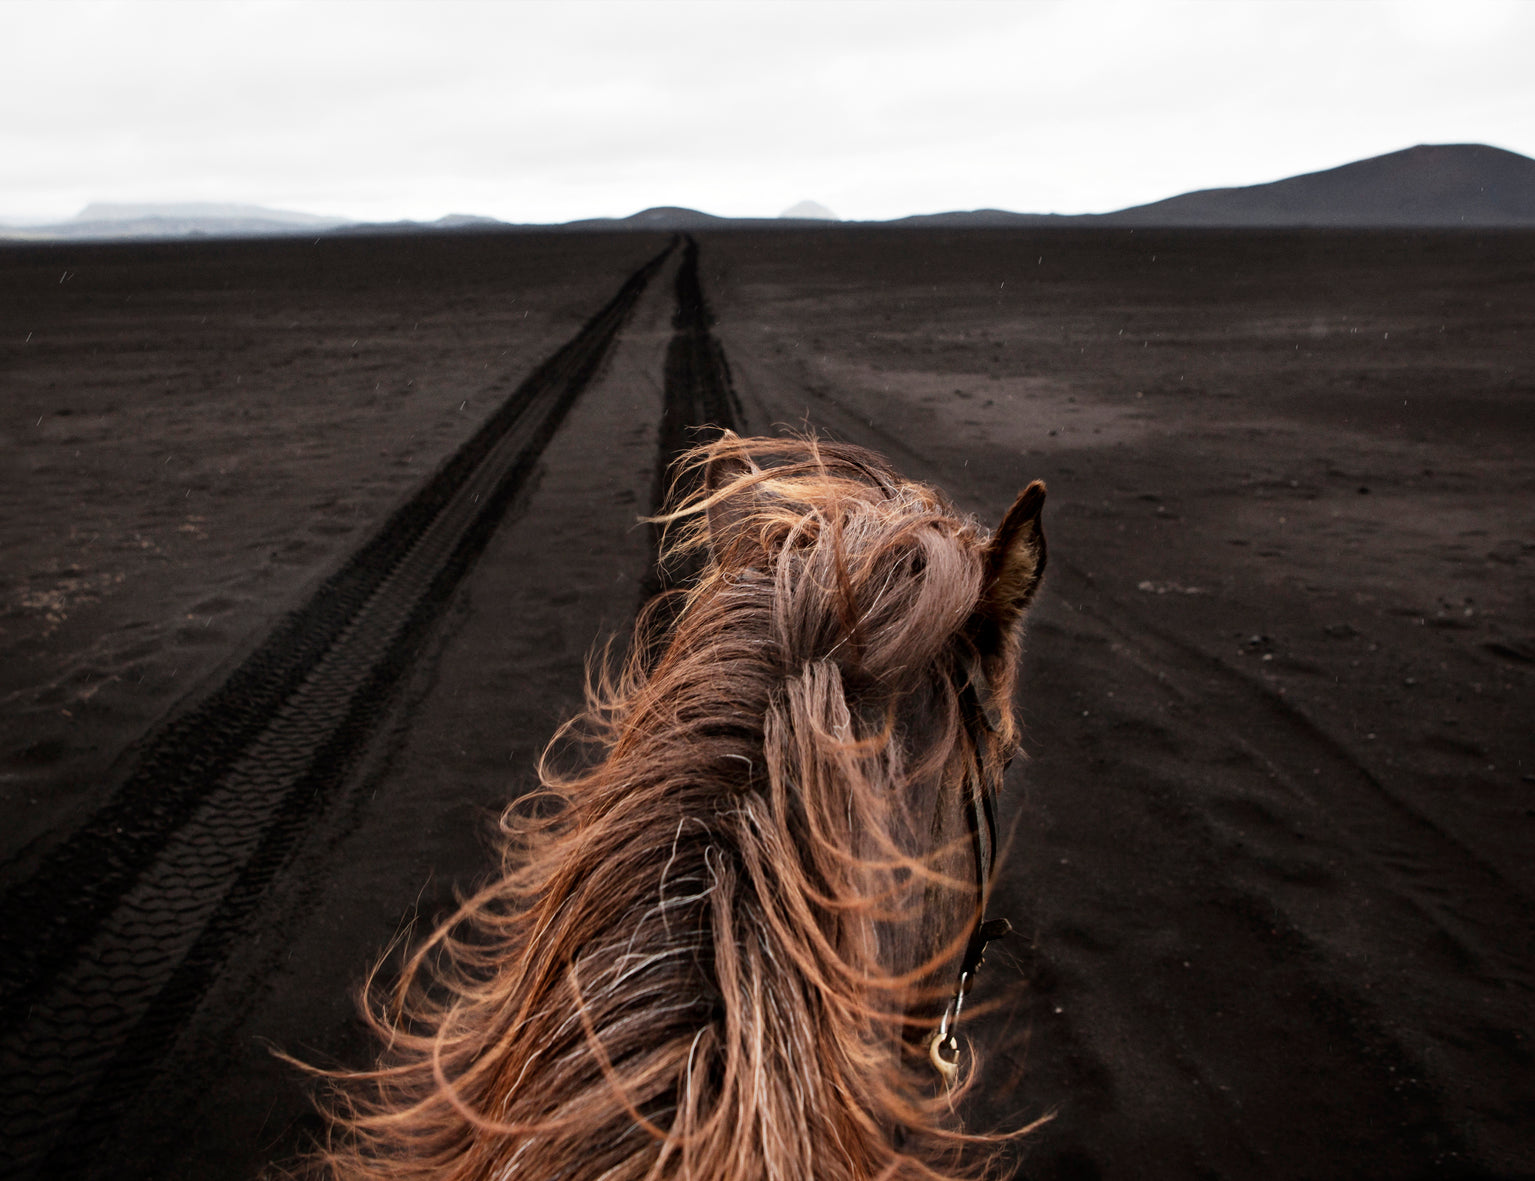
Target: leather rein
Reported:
point(984, 719)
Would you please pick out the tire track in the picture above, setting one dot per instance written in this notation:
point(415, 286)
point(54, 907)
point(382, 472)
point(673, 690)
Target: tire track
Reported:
point(162, 878)
point(700, 403)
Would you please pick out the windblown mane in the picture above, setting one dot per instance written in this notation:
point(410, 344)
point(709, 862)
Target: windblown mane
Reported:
point(714, 950)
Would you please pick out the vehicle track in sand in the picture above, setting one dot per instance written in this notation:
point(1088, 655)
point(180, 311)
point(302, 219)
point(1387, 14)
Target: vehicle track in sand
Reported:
point(503, 669)
point(700, 402)
point(163, 877)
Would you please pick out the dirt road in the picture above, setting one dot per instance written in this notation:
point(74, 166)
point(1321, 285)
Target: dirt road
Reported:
point(1270, 850)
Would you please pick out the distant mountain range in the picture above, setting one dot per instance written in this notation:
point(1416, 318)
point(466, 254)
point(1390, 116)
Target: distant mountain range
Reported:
point(102, 221)
point(1437, 186)
point(101, 211)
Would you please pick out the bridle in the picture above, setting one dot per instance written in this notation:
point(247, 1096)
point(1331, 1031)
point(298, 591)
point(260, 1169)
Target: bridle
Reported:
point(984, 719)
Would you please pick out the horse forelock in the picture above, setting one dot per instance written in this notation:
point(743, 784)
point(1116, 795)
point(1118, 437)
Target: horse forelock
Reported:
point(708, 947)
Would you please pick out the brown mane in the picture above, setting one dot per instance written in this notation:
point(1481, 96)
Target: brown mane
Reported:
point(715, 950)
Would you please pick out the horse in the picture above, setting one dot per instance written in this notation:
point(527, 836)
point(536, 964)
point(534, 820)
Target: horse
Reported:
point(724, 935)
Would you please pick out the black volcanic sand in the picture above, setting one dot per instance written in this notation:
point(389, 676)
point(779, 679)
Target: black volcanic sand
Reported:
point(193, 434)
point(1270, 857)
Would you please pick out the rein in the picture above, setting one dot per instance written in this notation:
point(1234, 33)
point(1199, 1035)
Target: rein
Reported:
point(981, 815)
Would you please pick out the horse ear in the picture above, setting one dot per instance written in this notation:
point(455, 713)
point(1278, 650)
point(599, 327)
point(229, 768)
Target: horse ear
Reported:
point(1014, 561)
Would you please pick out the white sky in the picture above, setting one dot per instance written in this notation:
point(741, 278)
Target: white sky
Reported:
point(549, 112)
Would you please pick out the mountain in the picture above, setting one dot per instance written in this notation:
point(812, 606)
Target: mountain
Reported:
point(100, 211)
point(449, 222)
point(466, 221)
point(104, 221)
point(1435, 186)
point(661, 217)
point(809, 211)
point(982, 219)
point(1431, 185)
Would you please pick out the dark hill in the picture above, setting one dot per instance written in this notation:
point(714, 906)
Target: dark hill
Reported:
point(980, 219)
point(661, 217)
point(1429, 185)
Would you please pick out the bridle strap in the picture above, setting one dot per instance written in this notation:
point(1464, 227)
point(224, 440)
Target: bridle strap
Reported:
point(981, 815)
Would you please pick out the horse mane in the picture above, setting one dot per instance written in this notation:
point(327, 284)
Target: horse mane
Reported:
point(719, 937)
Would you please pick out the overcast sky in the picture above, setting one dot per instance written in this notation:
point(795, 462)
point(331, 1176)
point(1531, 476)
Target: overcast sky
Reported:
point(548, 112)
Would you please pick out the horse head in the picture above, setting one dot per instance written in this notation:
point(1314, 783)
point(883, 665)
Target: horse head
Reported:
point(909, 621)
point(736, 940)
